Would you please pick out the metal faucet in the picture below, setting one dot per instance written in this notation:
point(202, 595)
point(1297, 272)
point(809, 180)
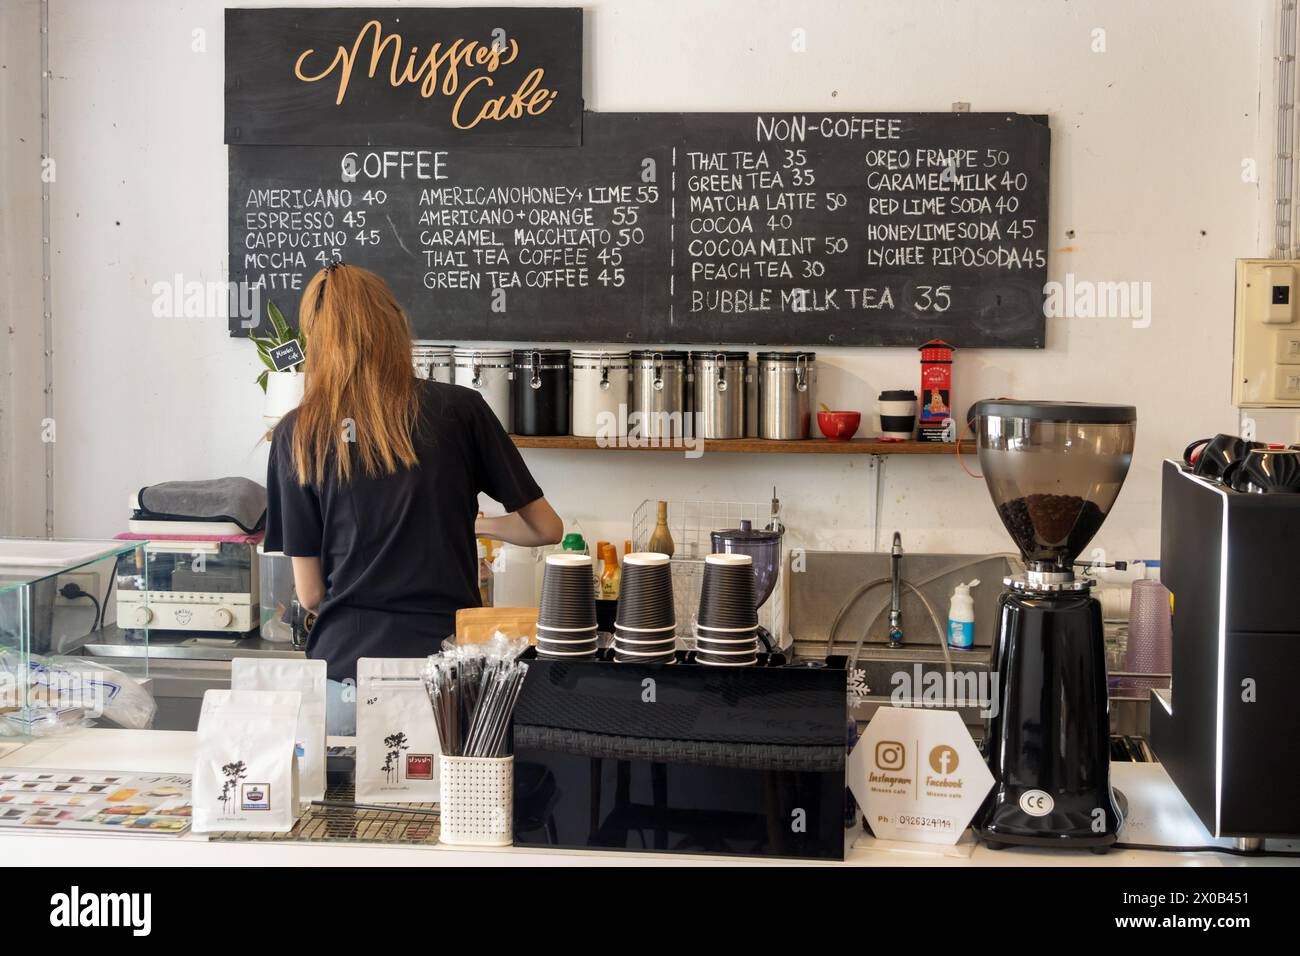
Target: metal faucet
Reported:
point(895, 606)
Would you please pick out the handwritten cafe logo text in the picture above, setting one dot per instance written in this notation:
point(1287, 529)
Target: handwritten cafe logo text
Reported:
point(436, 72)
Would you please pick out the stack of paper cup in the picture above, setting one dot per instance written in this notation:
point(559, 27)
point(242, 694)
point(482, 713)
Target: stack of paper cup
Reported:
point(645, 625)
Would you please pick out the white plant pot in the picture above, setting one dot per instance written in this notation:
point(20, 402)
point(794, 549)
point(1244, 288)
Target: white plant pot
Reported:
point(283, 395)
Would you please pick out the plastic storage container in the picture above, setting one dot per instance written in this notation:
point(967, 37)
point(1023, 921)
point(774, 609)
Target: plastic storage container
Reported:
point(276, 595)
point(487, 371)
point(600, 386)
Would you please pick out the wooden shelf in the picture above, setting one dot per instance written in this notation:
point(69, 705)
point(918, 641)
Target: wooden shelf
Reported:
point(760, 446)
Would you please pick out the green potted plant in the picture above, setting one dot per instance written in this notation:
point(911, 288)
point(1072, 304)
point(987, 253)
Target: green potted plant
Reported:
point(283, 390)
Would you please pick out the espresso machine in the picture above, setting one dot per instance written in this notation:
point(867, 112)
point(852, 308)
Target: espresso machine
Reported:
point(1054, 470)
point(1228, 546)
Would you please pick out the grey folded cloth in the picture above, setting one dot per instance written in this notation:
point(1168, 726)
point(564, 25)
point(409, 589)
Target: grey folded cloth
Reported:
point(240, 500)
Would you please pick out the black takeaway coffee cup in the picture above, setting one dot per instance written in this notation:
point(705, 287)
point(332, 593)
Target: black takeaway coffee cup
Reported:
point(897, 414)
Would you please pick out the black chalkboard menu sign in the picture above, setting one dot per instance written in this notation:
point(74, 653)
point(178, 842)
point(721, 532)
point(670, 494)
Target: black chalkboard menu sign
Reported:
point(846, 229)
point(397, 76)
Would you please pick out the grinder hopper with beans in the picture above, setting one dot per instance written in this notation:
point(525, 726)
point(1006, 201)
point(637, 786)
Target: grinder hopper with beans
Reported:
point(1054, 470)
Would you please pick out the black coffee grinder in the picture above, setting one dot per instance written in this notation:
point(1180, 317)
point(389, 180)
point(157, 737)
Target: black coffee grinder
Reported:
point(1054, 470)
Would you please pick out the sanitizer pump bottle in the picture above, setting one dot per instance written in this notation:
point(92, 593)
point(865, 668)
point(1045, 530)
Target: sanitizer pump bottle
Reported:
point(961, 618)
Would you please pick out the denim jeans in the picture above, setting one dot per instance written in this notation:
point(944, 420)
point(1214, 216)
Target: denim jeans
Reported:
point(340, 708)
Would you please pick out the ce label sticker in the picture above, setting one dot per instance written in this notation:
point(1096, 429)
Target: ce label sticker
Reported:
point(1036, 803)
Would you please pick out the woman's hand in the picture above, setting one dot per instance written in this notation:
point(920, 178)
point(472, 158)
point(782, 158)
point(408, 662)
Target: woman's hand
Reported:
point(533, 525)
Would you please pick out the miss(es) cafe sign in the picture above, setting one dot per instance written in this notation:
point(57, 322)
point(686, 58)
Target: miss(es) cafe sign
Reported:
point(404, 76)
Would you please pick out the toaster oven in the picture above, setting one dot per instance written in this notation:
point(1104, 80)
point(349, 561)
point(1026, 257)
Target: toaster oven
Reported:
point(177, 585)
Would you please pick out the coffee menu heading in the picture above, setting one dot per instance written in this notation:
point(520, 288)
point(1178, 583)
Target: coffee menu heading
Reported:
point(404, 76)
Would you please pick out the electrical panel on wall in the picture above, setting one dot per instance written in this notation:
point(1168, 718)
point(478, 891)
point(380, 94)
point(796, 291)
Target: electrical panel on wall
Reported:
point(1266, 353)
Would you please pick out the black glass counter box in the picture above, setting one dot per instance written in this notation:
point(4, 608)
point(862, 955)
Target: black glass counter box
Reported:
point(682, 758)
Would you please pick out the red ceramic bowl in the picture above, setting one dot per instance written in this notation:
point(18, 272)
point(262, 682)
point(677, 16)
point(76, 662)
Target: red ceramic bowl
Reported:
point(839, 426)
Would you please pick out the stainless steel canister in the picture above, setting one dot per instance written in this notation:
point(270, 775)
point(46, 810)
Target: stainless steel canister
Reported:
point(688, 398)
point(431, 361)
point(785, 391)
point(658, 394)
point(719, 404)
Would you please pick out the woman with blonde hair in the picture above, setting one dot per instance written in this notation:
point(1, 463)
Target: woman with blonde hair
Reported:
point(373, 485)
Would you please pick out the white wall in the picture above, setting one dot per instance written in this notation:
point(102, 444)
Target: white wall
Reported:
point(22, 376)
point(1148, 140)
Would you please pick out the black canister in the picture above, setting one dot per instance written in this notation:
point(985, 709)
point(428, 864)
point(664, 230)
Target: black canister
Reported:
point(540, 391)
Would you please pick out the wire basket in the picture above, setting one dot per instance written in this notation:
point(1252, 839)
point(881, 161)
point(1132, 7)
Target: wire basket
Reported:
point(477, 800)
point(691, 523)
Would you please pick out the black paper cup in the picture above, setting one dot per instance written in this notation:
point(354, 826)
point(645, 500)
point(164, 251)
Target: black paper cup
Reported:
point(727, 648)
point(567, 637)
point(726, 633)
point(645, 650)
point(727, 599)
point(644, 633)
point(566, 651)
point(642, 637)
point(713, 660)
point(568, 594)
point(645, 597)
point(622, 657)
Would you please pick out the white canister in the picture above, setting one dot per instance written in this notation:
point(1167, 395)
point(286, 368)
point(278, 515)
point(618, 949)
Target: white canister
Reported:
point(487, 371)
point(600, 386)
point(431, 361)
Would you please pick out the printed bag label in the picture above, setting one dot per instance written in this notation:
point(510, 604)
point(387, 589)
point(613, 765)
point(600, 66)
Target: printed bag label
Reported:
point(419, 766)
point(255, 796)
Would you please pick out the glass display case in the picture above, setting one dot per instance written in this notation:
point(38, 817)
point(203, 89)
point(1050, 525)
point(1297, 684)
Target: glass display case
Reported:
point(54, 597)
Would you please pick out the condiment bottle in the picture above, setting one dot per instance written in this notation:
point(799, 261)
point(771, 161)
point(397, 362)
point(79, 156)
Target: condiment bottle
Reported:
point(574, 543)
point(485, 572)
point(961, 618)
point(611, 576)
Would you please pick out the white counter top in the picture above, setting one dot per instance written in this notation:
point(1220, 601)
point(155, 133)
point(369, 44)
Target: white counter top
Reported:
point(1157, 815)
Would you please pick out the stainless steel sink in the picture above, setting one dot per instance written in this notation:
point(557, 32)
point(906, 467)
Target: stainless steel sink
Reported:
point(822, 584)
point(826, 594)
point(921, 677)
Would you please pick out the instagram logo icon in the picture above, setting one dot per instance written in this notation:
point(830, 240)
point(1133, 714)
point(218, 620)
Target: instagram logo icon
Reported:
point(890, 755)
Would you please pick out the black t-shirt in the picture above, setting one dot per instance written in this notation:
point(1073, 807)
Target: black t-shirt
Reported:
point(398, 552)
